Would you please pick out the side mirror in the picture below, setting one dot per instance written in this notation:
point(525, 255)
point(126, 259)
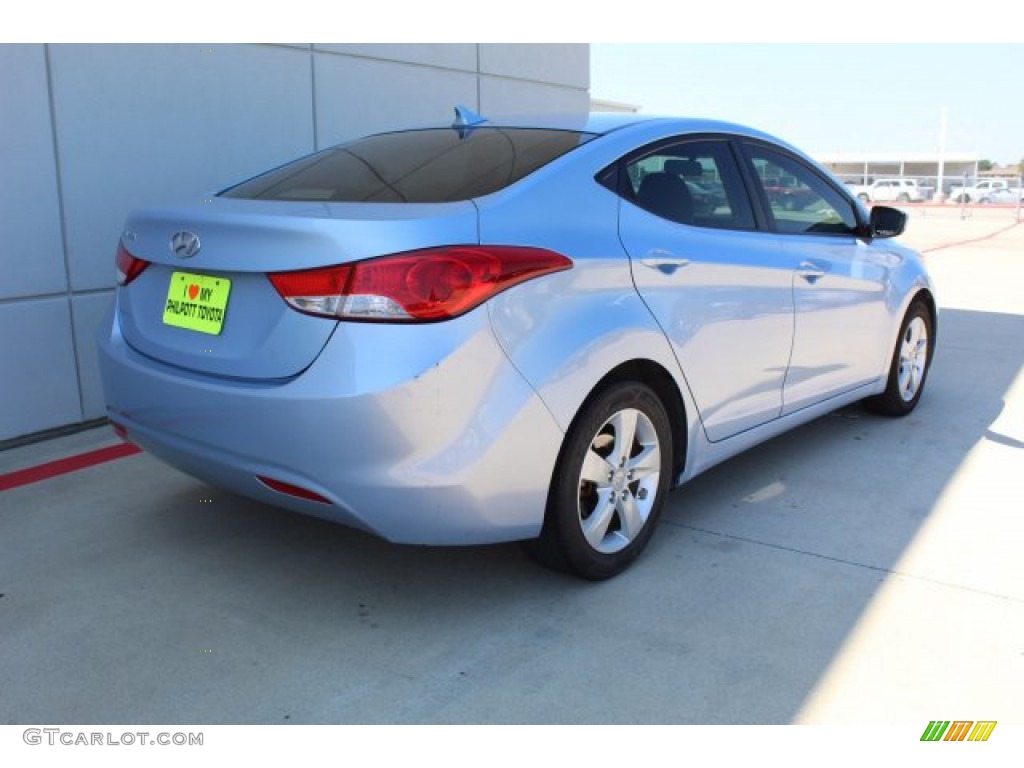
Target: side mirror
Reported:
point(886, 221)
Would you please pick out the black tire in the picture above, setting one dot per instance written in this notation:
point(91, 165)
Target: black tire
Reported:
point(864, 198)
point(617, 512)
point(907, 373)
point(903, 197)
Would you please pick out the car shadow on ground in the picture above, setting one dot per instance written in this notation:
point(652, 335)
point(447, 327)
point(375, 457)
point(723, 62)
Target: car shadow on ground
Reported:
point(178, 603)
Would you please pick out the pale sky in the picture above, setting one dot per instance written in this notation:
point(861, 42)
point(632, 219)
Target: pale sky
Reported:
point(832, 98)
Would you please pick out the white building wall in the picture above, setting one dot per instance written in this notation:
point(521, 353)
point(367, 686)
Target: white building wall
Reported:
point(88, 132)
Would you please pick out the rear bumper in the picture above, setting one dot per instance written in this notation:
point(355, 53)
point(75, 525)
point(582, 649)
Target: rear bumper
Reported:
point(420, 434)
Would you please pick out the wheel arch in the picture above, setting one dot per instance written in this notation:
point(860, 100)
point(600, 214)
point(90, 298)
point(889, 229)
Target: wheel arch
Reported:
point(655, 376)
point(563, 542)
point(928, 299)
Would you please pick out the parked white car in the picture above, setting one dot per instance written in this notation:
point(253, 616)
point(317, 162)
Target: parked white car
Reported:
point(1002, 196)
point(891, 190)
point(987, 191)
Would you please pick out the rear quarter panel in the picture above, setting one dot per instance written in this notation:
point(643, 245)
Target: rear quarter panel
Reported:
point(567, 331)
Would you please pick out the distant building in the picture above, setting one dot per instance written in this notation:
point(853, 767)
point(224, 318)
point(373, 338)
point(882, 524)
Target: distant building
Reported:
point(864, 167)
point(1001, 172)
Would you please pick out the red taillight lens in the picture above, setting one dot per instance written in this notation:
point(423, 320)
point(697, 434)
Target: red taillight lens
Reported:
point(128, 267)
point(433, 284)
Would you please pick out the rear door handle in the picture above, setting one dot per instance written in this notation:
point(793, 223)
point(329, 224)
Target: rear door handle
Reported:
point(663, 261)
point(810, 271)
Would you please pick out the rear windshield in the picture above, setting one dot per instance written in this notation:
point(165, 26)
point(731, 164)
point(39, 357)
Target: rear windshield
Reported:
point(429, 166)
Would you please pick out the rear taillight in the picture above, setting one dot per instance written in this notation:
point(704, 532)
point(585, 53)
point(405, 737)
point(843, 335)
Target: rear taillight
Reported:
point(128, 267)
point(432, 284)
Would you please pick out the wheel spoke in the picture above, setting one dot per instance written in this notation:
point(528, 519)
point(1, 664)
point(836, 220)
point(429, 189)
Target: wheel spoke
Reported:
point(916, 339)
point(919, 335)
point(624, 423)
point(646, 463)
point(595, 469)
point(595, 527)
point(629, 516)
point(908, 389)
point(915, 376)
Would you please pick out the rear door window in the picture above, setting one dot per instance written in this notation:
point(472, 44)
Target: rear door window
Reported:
point(692, 182)
point(427, 166)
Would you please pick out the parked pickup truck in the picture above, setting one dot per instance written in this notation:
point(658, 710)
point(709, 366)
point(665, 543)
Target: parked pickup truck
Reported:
point(891, 191)
point(987, 191)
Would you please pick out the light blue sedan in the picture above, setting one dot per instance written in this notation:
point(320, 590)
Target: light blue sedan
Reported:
point(508, 330)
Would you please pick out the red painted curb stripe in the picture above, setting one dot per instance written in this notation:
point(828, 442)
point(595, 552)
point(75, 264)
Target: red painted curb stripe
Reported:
point(63, 466)
point(989, 236)
point(948, 206)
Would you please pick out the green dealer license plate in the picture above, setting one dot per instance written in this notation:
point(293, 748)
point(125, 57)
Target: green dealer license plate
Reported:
point(197, 302)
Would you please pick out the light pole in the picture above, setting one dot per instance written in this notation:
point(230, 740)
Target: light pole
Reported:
point(939, 197)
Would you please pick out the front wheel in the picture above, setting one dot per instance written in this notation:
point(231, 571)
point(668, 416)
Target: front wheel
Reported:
point(609, 485)
point(910, 363)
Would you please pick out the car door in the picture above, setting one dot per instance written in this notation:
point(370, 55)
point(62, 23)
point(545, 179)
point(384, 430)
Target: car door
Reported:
point(840, 287)
point(721, 289)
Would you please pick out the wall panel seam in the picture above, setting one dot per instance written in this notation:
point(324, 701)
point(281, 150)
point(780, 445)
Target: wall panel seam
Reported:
point(62, 224)
point(55, 295)
point(403, 62)
point(528, 81)
point(312, 94)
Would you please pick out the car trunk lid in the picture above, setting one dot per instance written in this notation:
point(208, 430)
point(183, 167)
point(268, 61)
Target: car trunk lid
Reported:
point(256, 335)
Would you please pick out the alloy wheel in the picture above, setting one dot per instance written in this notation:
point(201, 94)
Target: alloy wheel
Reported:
point(913, 358)
point(618, 481)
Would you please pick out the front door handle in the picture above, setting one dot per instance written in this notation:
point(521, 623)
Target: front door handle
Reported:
point(663, 261)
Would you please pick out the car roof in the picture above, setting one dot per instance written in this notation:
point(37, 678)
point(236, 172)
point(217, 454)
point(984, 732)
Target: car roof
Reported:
point(593, 122)
point(601, 123)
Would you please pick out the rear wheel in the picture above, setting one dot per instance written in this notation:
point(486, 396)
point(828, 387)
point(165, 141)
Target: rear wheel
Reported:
point(904, 197)
point(609, 485)
point(910, 363)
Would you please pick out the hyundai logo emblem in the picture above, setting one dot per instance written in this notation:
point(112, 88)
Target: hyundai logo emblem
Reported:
point(184, 244)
